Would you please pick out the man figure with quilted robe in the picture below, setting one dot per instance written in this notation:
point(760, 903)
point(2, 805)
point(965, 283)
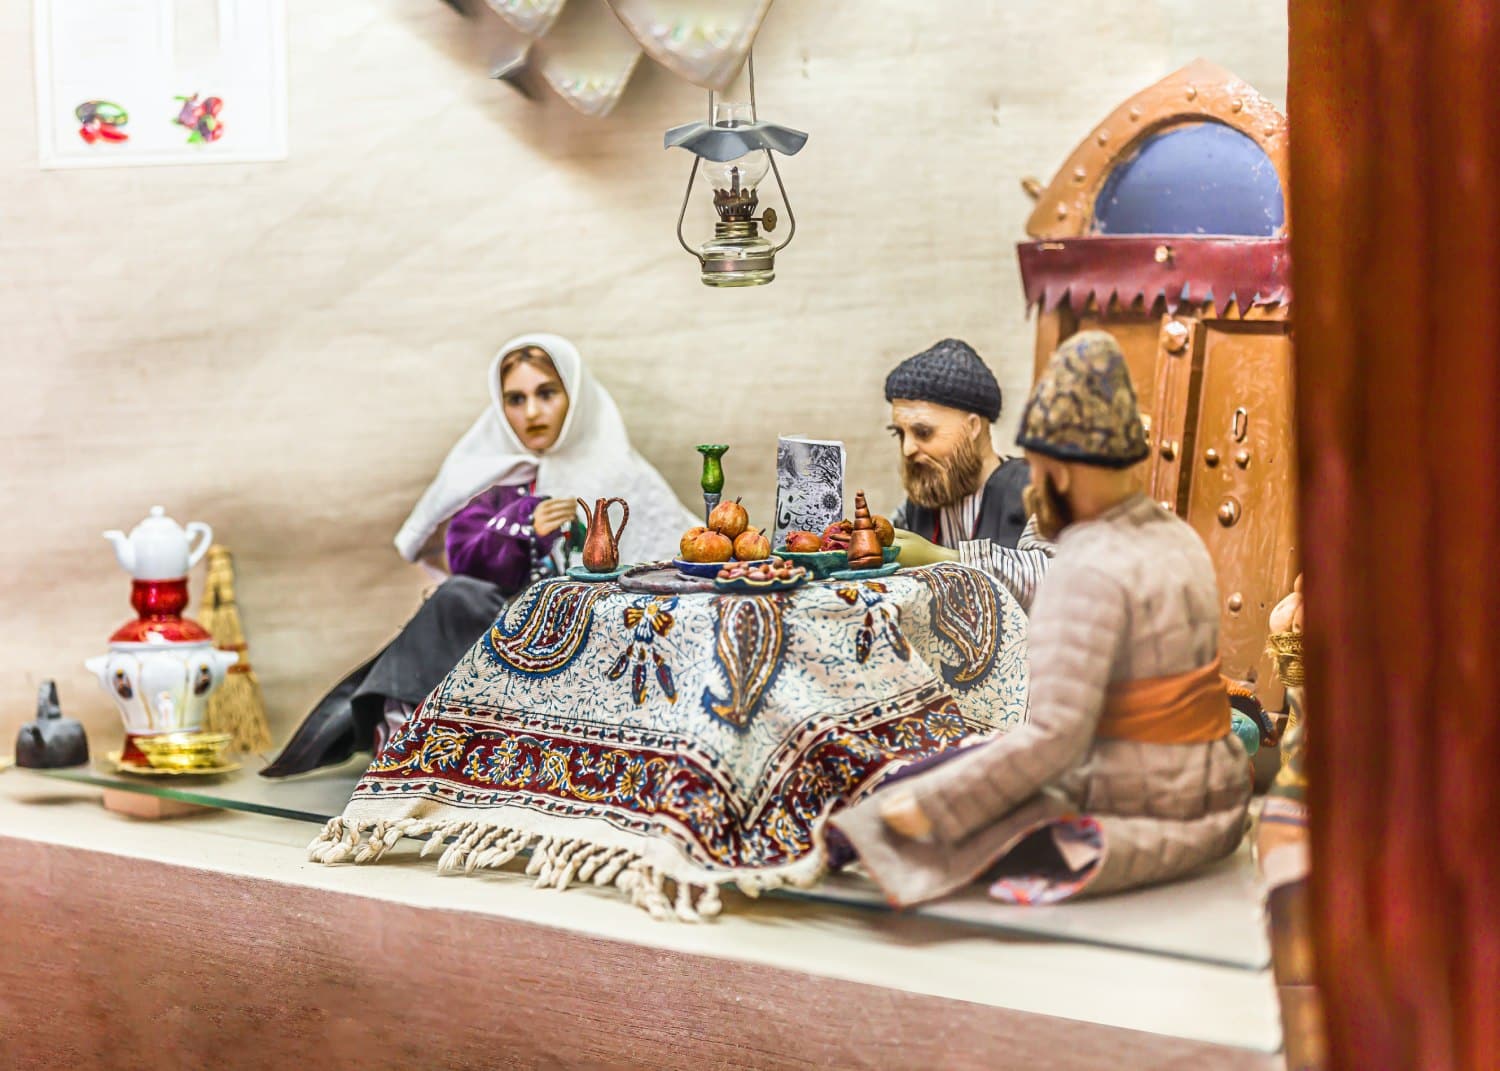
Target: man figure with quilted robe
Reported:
point(1127, 771)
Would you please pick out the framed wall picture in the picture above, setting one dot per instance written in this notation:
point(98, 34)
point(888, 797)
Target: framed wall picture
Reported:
point(124, 83)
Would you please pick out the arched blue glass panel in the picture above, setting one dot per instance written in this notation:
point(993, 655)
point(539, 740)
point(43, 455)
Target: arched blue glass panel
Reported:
point(1202, 178)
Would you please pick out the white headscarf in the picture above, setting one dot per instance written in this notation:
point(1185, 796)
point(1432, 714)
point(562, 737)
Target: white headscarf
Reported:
point(591, 459)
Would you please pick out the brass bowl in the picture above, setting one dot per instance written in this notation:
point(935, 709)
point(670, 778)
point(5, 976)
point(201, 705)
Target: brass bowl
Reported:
point(184, 751)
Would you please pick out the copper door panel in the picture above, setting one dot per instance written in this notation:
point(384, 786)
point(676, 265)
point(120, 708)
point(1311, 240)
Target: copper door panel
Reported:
point(1138, 336)
point(1243, 485)
point(1179, 355)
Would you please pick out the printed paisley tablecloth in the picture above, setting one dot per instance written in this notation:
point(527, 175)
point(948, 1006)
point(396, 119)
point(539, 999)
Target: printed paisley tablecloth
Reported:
point(667, 745)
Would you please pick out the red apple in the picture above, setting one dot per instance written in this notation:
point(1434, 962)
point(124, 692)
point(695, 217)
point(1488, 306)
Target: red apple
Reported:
point(729, 518)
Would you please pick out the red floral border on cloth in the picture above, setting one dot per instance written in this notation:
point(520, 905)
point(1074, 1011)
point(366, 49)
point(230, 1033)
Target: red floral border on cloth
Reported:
point(1178, 269)
point(643, 788)
point(666, 747)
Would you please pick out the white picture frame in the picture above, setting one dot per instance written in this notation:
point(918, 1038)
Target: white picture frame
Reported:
point(141, 56)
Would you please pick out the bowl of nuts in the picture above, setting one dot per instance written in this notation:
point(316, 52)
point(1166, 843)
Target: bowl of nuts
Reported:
point(756, 578)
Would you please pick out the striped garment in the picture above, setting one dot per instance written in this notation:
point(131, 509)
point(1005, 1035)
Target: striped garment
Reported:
point(960, 521)
point(1019, 570)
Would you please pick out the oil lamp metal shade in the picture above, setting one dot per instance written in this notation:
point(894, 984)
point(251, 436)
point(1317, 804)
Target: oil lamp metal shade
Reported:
point(737, 256)
point(724, 143)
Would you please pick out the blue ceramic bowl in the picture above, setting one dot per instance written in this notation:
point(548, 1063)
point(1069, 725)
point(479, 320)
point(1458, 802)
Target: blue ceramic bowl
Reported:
point(578, 572)
point(865, 574)
point(824, 563)
point(819, 563)
point(707, 570)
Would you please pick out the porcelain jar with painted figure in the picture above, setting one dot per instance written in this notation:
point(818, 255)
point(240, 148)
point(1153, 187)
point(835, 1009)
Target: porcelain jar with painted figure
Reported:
point(162, 666)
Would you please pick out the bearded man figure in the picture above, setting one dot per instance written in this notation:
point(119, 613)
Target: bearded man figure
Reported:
point(1128, 770)
point(964, 502)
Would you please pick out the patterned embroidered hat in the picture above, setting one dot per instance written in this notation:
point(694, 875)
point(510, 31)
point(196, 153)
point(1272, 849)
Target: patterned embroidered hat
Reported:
point(951, 374)
point(1083, 408)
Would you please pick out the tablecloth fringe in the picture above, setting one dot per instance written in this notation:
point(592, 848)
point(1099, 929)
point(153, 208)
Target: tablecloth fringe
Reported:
point(556, 862)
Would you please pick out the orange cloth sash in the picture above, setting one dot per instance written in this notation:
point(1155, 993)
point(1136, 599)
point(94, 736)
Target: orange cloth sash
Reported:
point(1189, 708)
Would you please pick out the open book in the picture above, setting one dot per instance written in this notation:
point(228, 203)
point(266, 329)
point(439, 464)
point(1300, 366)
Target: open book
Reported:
point(809, 485)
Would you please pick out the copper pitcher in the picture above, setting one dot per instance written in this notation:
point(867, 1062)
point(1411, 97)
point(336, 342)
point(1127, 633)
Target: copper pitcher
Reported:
point(601, 547)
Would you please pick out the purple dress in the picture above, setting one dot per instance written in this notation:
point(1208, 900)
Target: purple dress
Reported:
point(493, 554)
point(491, 538)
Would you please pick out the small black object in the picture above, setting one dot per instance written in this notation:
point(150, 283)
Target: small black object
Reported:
point(52, 741)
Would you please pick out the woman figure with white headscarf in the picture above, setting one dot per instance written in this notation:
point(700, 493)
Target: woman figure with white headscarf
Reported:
point(507, 491)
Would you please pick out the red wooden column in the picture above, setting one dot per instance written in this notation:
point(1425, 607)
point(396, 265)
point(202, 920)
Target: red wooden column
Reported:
point(1395, 164)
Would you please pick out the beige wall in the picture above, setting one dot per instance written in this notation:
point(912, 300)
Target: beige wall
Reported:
point(287, 350)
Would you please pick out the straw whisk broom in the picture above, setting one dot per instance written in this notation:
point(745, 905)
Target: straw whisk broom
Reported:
point(236, 706)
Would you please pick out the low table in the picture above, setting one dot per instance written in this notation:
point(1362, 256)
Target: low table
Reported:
point(669, 745)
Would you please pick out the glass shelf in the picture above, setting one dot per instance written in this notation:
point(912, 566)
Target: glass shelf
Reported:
point(312, 797)
point(1212, 917)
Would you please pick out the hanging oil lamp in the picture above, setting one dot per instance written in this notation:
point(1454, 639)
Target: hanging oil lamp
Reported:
point(733, 151)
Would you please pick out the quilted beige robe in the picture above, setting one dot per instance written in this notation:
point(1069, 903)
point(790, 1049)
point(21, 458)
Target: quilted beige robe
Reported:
point(1130, 595)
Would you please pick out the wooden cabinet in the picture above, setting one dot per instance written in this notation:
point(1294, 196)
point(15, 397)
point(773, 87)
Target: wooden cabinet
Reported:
point(1167, 228)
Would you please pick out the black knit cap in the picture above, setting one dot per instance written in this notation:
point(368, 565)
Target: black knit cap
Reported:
point(950, 373)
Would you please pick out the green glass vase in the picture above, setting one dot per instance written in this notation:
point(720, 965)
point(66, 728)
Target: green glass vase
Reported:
point(712, 480)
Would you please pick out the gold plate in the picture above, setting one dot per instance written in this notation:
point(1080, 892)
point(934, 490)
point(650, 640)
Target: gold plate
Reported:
point(154, 771)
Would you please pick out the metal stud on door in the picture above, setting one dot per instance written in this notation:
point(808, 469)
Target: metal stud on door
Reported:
point(1177, 352)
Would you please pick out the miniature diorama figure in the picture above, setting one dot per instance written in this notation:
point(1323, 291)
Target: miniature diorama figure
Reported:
point(1281, 831)
point(52, 741)
point(508, 492)
point(1127, 771)
point(943, 401)
point(964, 502)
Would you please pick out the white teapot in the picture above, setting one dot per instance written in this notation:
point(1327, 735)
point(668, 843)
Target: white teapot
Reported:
point(159, 548)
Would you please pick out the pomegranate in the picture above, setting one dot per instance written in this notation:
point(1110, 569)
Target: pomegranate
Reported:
point(752, 545)
point(836, 535)
point(729, 518)
point(800, 542)
point(702, 545)
point(688, 539)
